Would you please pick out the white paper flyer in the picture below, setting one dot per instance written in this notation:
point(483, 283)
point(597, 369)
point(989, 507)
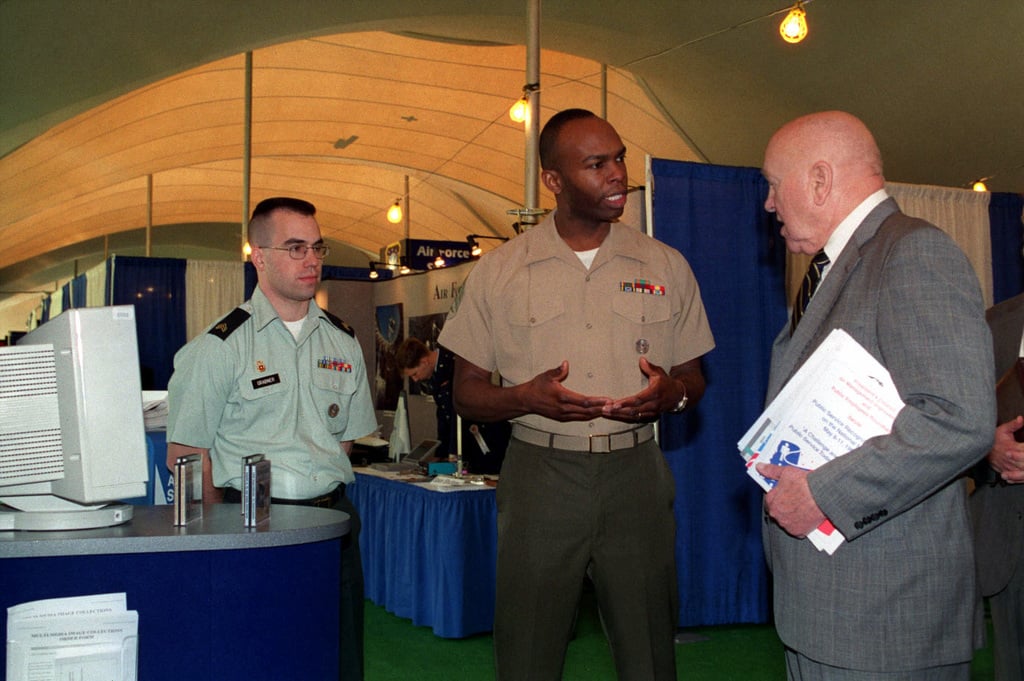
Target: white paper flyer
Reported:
point(86, 638)
point(839, 398)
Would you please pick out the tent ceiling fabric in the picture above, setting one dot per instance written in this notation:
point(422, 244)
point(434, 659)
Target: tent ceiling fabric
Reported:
point(347, 101)
point(340, 120)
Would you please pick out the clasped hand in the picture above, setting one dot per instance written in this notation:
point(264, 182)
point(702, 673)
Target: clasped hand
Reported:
point(552, 399)
point(1007, 455)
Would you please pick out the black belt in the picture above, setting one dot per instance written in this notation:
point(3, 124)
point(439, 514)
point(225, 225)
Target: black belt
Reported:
point(329, 500)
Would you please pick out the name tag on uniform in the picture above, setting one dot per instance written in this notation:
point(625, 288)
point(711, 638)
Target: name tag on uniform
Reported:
point(265, 381)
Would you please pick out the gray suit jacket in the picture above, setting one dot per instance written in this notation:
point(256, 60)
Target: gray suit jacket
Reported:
point(900, 594)
point(997, 508)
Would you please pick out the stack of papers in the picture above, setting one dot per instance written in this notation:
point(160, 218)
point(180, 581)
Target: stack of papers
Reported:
point(839, 398)
point(87, 637)
point(154, 410)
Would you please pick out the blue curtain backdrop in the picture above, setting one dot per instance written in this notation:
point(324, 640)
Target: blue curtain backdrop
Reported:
point(156, 287)
point(79, 287)
point(713, 215)
point(1004, 216)
point(250, 279)
point(65, 296)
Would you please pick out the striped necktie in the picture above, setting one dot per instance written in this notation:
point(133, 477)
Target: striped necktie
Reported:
point(810, 284)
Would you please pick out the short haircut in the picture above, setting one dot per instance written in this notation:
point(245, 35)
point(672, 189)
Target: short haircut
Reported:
point(259, 223)
point(410, 352)
point(548, 144)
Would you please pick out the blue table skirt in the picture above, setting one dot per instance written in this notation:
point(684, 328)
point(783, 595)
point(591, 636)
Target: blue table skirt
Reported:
point(429, 556)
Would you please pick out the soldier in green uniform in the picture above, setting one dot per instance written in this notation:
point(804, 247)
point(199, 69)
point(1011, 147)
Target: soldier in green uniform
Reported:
point(279, 376)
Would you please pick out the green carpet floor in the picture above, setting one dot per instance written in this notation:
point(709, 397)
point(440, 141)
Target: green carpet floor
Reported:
point(398, 651)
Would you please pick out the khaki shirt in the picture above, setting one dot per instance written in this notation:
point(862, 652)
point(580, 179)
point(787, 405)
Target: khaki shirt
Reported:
point(259, 391)
point(530, 304)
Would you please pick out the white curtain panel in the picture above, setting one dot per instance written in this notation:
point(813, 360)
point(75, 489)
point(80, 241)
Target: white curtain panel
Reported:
point(212, 289)
point(96, 285)
point(56, 302)
point(961, 213)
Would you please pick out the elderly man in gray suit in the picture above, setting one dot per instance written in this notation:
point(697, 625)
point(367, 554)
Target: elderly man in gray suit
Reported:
point(898, 599)
point(997, 504)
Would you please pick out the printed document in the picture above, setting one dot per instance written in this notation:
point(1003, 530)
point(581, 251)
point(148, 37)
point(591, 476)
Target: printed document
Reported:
point(86, 638)
point(839, 398)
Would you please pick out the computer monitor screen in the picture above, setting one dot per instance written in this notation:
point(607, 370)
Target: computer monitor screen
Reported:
point(71, 428)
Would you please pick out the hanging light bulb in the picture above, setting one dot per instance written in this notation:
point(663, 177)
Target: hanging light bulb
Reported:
point(395, 212)
point(980, 186)
point(520, 110)
point(247, 249)
point(438, 262)
point(793, 28)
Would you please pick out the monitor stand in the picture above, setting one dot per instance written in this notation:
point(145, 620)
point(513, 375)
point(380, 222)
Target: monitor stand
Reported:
point(45, 512)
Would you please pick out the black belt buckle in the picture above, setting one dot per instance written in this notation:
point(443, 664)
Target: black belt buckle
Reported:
point(328, 500)
point(325, 500)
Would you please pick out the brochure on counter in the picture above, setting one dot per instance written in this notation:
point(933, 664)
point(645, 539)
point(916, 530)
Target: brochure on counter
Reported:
point(154, 410)
point(839, 398)
point(85, 637)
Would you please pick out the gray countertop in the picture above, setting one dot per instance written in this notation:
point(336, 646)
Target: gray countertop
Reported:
point(151, 530)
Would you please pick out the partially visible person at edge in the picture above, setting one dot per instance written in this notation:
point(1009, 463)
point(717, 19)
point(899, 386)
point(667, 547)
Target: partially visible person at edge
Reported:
point(997, 504)
point(596, 330)
point(897, 600)
point(281, 377)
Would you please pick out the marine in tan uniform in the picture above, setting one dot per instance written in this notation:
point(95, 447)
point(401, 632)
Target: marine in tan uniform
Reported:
point(596, 330)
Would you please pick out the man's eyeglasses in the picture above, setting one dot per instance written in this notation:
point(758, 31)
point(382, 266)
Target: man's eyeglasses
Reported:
point(298, 251)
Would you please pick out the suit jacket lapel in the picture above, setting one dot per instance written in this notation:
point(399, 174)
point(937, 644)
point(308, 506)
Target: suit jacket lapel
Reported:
point(788, 353)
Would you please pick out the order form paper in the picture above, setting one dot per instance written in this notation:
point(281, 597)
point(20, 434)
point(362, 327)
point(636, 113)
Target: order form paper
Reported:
point(85, 638)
